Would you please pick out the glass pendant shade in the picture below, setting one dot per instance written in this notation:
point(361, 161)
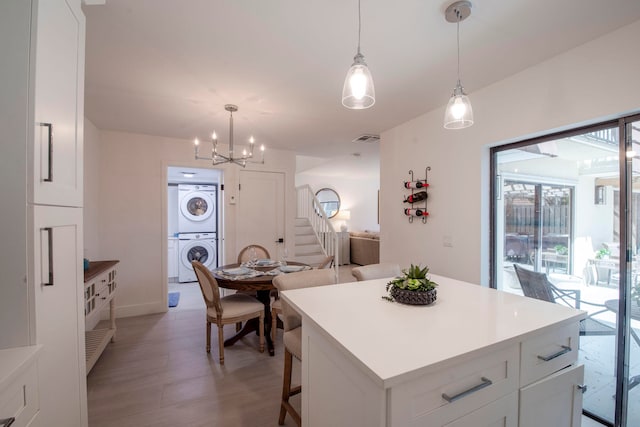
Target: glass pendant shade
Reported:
point(358, 92)
point(459, 113)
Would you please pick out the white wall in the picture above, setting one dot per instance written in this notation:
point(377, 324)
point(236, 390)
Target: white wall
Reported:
point(359, 195)
point(132, 220)
point(91, 190)
point(592, 82)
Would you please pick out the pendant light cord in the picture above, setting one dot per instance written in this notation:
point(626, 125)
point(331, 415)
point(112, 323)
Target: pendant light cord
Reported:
point(359, 26)
point(458, 31)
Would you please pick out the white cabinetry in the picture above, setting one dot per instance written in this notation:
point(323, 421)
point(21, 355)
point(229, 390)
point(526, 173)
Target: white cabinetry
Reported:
point(172, 258)
point(42, 90)
point(19, 385)
point(59, 316)
point(56, 153)
point(477, 357)
point(100, 287)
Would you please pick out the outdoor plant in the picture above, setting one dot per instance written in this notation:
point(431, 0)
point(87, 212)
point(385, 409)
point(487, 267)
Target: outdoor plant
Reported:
point(561, 249)
point(415, 278)
point(602, 253)
point(635, 293)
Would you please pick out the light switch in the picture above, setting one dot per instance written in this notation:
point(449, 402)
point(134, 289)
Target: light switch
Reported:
point(447, 241)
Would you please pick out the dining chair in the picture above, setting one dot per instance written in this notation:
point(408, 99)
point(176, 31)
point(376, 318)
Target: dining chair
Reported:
point(226, 310)
point(327, 262)
point(537, 285)
point(293, 332)
point(376, 271)
point(245, 253)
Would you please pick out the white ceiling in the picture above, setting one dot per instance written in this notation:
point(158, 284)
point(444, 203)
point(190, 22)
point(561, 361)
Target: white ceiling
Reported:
point(167, 67)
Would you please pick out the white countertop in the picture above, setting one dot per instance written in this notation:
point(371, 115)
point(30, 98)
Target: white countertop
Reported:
point(392, 341)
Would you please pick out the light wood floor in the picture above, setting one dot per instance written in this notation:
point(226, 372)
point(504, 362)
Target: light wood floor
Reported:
point(158, 373)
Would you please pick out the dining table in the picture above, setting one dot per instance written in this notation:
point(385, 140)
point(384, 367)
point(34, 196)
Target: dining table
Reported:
point(255, 277)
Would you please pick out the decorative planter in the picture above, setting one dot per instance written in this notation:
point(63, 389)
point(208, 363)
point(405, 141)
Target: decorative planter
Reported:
point(413, 297)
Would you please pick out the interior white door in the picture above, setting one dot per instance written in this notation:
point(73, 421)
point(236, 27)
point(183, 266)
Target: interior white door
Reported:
point(261, 210)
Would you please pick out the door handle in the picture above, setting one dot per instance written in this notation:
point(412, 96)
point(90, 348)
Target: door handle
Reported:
point(280, 240)
point(49, 231)
point(49, 177)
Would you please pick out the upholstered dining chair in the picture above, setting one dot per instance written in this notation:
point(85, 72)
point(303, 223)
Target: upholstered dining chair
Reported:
point(293, 331)
point(327, 262)
point(227, 310)
point(376, 271)
point(245, 253)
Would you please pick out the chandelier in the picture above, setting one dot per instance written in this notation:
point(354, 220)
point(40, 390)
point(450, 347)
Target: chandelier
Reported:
point(217, 158)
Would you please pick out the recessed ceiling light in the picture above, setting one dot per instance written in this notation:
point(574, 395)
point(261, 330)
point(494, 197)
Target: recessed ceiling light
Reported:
point(188, 174)
point(367, 138)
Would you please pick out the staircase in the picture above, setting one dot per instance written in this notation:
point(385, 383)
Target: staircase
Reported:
point(307, 248)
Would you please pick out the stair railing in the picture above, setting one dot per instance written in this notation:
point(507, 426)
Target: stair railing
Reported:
point(308, 206)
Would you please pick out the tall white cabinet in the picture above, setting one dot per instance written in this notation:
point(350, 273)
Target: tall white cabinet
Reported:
point(43, 112)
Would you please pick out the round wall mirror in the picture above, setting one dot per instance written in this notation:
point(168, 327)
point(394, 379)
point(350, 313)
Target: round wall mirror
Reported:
point(329, 200)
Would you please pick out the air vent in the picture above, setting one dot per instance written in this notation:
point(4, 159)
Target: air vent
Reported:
point(367, 139)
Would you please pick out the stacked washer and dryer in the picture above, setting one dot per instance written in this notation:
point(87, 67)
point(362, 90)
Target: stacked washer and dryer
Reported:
point(197, 228)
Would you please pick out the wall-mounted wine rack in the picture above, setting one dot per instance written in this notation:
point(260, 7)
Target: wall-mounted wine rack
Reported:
point(418, 197)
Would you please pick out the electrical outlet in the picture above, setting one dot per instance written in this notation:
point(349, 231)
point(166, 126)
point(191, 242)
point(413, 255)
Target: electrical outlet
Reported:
point(447, 241)
point(232, 200)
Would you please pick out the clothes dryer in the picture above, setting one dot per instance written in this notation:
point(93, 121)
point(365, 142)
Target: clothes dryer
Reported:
point(196, 247)
point(197, 211)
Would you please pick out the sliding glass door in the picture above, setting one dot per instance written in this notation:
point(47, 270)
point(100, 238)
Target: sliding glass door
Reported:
point(558, 208)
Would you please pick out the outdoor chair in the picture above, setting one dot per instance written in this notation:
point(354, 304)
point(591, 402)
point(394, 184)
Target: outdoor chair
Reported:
point(536, 285)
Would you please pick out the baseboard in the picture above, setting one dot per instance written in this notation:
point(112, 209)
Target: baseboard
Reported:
point(141, 309)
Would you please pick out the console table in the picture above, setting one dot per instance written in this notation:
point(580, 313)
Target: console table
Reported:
point(99, 290)
point(477, 357)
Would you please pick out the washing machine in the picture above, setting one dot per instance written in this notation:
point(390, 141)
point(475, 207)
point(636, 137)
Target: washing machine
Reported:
point(197, 208)
point(196, 247)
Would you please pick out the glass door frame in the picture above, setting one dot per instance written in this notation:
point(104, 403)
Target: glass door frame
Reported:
point(623, 338)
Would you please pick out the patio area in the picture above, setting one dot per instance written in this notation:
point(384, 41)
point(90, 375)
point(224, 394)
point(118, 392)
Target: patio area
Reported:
point(597, 353)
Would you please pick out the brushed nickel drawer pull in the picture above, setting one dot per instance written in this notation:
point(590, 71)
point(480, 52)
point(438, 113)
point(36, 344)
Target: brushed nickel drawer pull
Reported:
point(6, 422)
point(565, 349)
point(582, 388)
point(49, 231)
point(485, 383)
point(49, 177)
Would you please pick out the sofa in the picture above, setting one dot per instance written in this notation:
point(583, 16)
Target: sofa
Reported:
point(365, 247)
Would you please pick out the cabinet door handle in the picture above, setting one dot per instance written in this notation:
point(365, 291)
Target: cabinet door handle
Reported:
point(7, 422)
point(565, 349)
point(49, 231)
point(49, 177)
point(582, 388)
point(486, 382)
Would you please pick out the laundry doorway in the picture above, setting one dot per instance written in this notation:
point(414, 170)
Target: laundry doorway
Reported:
point(194, 218)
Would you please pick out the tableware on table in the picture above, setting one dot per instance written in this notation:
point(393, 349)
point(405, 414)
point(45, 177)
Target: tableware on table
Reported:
point(285, 255)
point(237, 271)
point(291, 268)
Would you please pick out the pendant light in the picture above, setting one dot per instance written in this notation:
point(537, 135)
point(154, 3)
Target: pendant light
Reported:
point(358, 92)
point(459, 113)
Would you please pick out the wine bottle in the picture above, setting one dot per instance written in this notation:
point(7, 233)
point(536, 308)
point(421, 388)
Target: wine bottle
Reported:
point(416, 184)
point(416, 212)
point(416, 197)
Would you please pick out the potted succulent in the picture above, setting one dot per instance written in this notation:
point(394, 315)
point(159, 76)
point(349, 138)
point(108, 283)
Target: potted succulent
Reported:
point(413, 287)
point(603, 253)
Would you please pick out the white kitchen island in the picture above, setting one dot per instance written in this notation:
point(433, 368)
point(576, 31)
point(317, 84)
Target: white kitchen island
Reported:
point(477, 357)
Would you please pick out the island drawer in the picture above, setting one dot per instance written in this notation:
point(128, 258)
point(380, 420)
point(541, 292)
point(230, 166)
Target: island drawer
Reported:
point(20, 398)
point(460, 388)
point(549, 352)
